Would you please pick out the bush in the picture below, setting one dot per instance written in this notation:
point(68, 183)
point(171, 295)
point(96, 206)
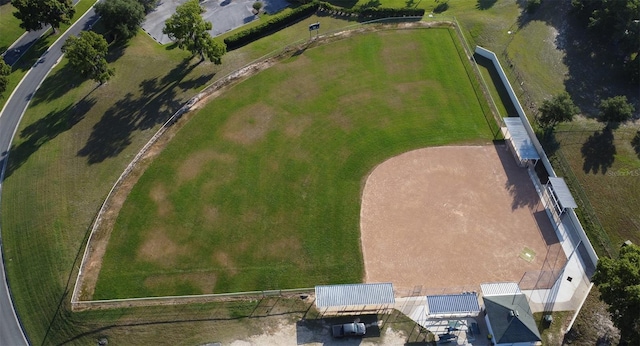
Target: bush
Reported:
point(257, 6)
point(281, 21)
point(532, 5)
point(270, 26)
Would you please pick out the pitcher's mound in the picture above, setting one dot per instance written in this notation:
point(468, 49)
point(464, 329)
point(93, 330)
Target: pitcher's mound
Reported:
point(448, 217)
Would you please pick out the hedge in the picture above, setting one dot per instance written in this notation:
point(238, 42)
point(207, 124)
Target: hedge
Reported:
point(279, 22)
point(270, 26)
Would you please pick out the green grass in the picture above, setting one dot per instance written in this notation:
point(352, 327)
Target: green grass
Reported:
point(261, 189)
point(552, 334)
point(70, 147)
point(52, 213)
point(606, 170)
point(9, 27)
point(22, 66)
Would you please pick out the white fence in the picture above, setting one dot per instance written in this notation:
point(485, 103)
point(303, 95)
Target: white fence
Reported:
point(574, 223)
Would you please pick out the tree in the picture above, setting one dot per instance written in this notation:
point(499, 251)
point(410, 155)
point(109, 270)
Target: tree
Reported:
point(618, 281)
point(86, 53)
point(149, 5)
point(5, 70)
point(122, 17)
point(557, 110)
point(190, 32)
point(617, 22)
point(35, 14)
point(615, 110)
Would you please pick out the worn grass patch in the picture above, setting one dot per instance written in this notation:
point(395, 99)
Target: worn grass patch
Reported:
point(281, 209)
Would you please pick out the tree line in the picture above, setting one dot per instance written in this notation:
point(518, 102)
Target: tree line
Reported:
point(87, 52)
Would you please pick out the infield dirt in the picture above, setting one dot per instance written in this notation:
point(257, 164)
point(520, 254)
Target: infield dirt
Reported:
point(445, 217)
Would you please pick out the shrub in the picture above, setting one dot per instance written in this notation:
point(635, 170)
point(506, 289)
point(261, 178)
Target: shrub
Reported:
point(270, 26)
point(441, 6)
point(532, 5)
point(281, 21)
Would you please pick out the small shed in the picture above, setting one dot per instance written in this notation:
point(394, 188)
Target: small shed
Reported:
point(453, 305)
point(508, 316)
point(520, 142)
point(354, 298)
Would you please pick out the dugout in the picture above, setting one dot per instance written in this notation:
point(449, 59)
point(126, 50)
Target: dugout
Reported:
point(354, 299)
point(520, 143)
point(558, 195)
point(453, 305)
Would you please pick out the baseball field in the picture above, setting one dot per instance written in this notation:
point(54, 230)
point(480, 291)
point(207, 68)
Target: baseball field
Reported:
point(262, 188)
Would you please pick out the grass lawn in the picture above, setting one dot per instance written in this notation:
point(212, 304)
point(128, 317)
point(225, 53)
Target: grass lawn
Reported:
point(49, 200)
point(261, 189)
point(72, 144)
point(22, 66)
point(606, 167)
point(9, 26)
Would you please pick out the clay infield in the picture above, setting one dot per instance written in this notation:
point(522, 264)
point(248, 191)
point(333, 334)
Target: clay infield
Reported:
point(446, 217)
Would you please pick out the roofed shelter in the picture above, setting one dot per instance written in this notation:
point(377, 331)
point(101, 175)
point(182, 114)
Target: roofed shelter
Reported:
point(453, 305)
point(519, 142)
point(354, 298)
point(559, 195)
point(508, 316)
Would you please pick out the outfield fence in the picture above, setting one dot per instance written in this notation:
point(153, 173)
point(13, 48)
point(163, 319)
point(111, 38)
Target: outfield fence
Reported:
point(103, 233)
point(302, 293)
point(593, 226)
point(578, 243)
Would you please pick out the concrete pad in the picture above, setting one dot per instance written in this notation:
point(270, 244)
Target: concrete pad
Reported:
point(225, 15)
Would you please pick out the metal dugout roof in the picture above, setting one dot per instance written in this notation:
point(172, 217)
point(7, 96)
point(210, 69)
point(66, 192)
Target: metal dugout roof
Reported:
point(562, 192)
point(451, 304)
point(520, 139)
point(354, 294)
point(500, 289)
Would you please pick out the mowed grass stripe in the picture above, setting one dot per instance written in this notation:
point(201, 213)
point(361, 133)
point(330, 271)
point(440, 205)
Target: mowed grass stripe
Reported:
point(261, 190)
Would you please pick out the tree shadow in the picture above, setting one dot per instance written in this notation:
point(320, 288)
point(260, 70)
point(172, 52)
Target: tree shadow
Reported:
point(635, 143)
point(412, 3)
point(45, 129)
point(57, 85)
point(549, 141)
point(371, 4)
point(156, 102)
point(598, 152)
point(592, 59)
point(518, 183)
point(485, 4)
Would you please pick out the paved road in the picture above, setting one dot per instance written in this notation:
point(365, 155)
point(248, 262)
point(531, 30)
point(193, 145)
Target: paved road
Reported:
point(23, 43)
point(10, 329)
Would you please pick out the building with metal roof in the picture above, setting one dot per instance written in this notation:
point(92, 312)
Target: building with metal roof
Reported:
point(520, 142)
point(510, 320)
point(450, 305)
point(354, 297)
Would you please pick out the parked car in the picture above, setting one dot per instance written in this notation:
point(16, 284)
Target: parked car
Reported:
point(348, 329)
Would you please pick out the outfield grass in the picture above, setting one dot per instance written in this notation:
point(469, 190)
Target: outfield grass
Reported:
point(49, 221)
point(261, 189)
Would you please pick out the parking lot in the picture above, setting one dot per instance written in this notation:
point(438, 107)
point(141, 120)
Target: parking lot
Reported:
point(225, 15)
